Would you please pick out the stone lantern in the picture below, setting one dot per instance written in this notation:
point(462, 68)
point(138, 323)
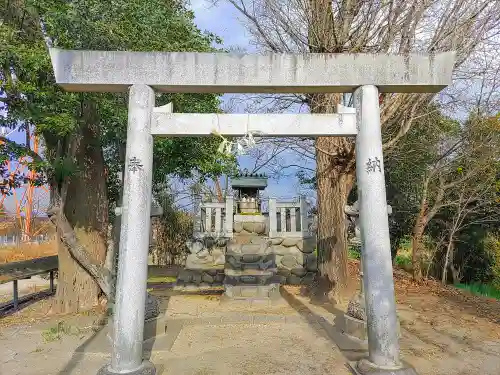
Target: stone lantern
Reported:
point(355, 317)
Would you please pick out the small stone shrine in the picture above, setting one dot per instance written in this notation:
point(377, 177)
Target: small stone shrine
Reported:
point(246, 250)
point(250, 270)
point(248, 218)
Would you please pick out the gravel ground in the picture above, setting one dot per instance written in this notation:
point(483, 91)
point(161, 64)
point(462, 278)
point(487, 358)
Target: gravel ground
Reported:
point(443, 332)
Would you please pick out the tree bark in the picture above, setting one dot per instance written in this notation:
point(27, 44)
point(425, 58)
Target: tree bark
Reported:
point(334, 178)
point(86, 209)
point(417, 243)
point(455, 273)
point(218, 189)
point(333, 189)
point(449, 249)
point(418, 232)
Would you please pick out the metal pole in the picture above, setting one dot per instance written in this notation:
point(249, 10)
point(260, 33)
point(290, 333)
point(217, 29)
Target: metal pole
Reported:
point(51, 281)
point(127, 350)
point(378, 288)
point(16, 295)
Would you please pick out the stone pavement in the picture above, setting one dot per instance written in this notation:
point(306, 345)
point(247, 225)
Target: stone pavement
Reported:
point(204, 336)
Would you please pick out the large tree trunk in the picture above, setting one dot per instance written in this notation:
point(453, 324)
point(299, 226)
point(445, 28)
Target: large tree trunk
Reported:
point(417, 242)
point(333, 189)
point(455, 272)
point(418, 232)
point(334, 178)
point(86, 209)
point(447, 257)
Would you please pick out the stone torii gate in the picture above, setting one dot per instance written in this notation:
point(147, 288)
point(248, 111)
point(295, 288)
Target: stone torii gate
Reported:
point(366, 75)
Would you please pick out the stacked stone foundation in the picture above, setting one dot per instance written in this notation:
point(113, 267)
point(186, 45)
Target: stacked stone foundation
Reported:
point(251, 265)
point(204, 270)
point(295, 259)
point(200, 278)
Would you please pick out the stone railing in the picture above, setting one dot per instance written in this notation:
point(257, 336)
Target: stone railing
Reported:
point(285, 219)
point(214, 219)
point(292, 220)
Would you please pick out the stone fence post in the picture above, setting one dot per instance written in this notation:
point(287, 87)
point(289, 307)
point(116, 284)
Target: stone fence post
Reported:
point(229, 216)
point(273, 221)
point(303, 215)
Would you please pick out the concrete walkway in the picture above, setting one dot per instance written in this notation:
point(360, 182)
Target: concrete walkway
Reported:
point(208, 336)
point(204, 336)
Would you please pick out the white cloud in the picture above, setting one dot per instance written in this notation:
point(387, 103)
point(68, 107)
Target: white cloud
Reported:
point(222, 20)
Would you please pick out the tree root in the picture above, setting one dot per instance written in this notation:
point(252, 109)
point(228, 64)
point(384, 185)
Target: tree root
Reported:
point(65, 231)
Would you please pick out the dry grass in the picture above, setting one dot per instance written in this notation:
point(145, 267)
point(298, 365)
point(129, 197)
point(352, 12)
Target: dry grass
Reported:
point(27, 251)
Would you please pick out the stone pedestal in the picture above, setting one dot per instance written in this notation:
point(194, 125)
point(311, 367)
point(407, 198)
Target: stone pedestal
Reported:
point(153, 327)
point(355, 326)
point(250, 224)
point(355, 319)
point(145, 368)
point(355, 329)
point(204, 268)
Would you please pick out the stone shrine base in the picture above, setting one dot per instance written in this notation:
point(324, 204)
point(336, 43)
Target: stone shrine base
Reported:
point(147, 368)
point(270, 291)
point(355, 329)
point(153, 328)
point(200, 279)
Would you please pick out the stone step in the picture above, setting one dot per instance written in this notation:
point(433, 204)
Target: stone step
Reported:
point(356, 329)
point(251, 248)
point(252, 291)
point(209, 276)
point(199, 288)
point(252, 280)
point(250, 261)
point(250, 272)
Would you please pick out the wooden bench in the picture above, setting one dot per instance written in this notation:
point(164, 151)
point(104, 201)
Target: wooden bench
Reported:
point(25, 270)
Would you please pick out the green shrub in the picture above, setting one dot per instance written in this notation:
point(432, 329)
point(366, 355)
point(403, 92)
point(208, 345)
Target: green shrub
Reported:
point(402, 261)
point(405, 244)
point(487, 290)
point(353, 252)
point(492, 247)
